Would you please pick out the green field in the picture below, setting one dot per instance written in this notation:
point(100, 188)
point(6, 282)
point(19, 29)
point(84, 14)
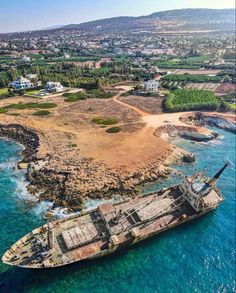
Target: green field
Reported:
point(185, 100)
point(197, 59)
point(3, 91)
point(232, 106)
point(195, 78)
point(176, 65)
point(31, 92)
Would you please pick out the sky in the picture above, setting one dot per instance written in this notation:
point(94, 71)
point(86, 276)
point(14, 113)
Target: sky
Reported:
point(23, 15)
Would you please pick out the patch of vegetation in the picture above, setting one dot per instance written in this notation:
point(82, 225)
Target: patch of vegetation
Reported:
point(105, 121)
point(14, 114)
point(177, 65)
point(73, 145)
point(90, 94)
point(198, 78)
point(185, 100)
point(32, 92)
point(197, 59)
point(126, 94)
point(171, 85)
point(99, 94)
point(23, 106)
point(114, 129)
point(232, 106)
point(74, 97)
point(3, 91)
point(41, 113)
point(228, 103)
point(2, 110)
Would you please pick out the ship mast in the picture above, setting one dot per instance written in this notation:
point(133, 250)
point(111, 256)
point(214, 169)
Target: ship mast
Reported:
point(213, 180)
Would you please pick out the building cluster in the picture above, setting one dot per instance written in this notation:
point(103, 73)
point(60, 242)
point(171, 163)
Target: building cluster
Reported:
point(68, 43)
point(31, 82)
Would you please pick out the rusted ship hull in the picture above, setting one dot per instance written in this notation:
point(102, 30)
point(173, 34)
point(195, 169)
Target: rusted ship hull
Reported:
point(137, 240)
point(106, 229)
point(112, 251)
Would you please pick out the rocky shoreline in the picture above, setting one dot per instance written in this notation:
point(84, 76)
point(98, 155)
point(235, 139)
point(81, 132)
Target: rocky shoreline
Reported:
point(205, 119)
point(68, 182)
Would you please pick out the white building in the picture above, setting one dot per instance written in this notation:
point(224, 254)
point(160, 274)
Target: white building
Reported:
point(67, 56)
point(21, 83)
point(31, 76)
point(54, 87)
point(152, 86)
point(25, 59)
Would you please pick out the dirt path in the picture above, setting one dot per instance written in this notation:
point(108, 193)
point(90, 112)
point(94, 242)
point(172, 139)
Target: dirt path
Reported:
point(139, 111)
point(153, 121)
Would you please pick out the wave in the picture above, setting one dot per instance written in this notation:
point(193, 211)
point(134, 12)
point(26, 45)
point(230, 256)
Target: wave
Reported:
point(9, 164)
point(41, 208)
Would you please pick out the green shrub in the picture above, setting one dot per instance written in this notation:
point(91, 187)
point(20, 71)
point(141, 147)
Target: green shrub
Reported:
point(22, 106)
point(2, 110)
point(99, 94)
point(14, 114)
point(105, 121)
point(41, 113)
point(74, 97)
point(114, 129)
point(73, 145)
point(90, 94)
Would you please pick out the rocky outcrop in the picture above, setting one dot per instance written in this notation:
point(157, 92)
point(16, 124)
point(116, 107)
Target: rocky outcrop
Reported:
point(203, 119)
point(195, 136)
point(23, 135)
point(67, 178)
point(220, 123)
point(189, 158)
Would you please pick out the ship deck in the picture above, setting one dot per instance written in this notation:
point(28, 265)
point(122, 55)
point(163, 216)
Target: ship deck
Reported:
point(101, 231)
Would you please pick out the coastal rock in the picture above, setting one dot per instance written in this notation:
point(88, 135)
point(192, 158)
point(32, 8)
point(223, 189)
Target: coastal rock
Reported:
point(67, 178)
point(195, 136)
point(189, 158)
point(220, 123)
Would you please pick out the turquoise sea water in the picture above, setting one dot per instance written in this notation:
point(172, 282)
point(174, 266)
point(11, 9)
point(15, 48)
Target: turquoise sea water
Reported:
point(195, 257)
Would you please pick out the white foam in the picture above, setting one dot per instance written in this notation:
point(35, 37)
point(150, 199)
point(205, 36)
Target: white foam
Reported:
point(9, 164)
point(41, 208)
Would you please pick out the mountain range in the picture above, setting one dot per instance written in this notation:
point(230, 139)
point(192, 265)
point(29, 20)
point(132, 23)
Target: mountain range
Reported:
point(164, 21)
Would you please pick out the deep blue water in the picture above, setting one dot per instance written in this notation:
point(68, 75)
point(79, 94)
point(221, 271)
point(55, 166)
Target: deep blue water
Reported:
point(195, 257)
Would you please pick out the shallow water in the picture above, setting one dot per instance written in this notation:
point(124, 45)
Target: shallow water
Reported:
point(195, 257)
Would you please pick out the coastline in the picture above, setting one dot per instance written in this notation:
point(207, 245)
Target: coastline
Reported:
point(42, 177)
point(69, 183)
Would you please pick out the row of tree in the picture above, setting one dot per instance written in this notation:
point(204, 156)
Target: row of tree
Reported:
point(185, 100)
point(195, 78)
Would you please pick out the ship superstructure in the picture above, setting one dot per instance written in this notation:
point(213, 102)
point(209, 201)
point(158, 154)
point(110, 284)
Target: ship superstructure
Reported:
point(111, 227)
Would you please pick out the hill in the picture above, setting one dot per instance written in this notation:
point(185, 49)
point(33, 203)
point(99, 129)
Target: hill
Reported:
point(164, 21)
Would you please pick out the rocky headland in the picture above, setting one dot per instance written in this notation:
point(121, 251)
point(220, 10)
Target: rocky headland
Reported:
point(69, 180)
